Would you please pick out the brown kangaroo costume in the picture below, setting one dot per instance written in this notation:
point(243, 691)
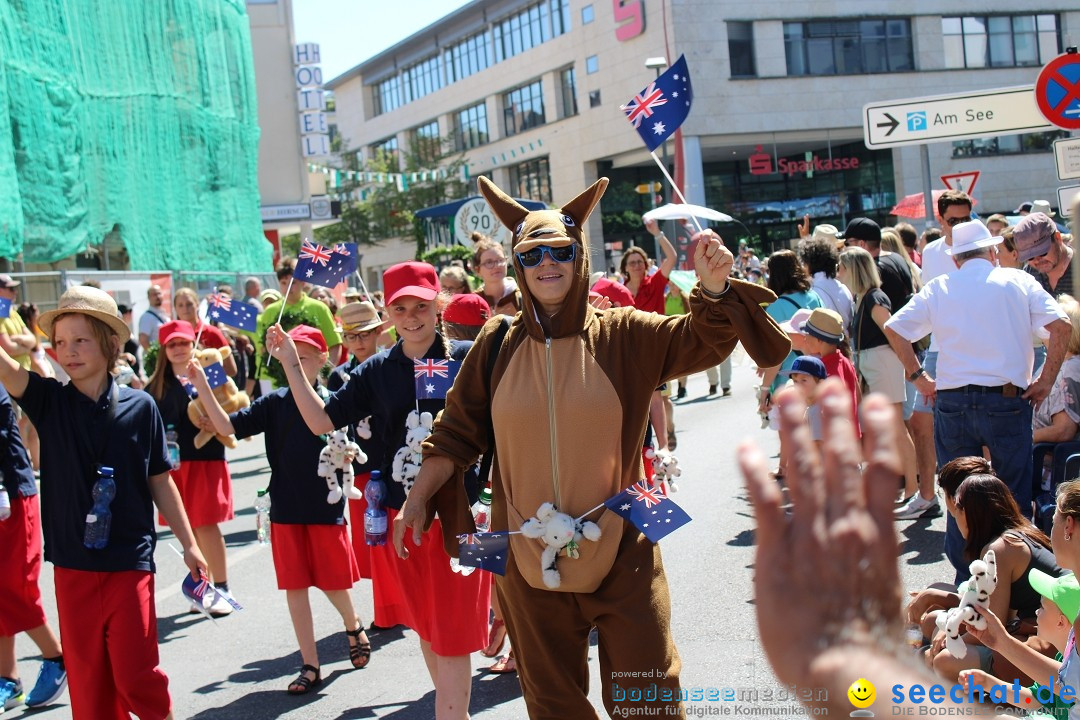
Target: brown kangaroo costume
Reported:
point(569, 410)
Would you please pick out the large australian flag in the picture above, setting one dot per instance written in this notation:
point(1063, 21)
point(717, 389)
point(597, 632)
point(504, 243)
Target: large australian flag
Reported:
point(486, 551)
point(325, 266)
point(434, 378)
point(650, 511)
point(658, 110)
point(233, 313)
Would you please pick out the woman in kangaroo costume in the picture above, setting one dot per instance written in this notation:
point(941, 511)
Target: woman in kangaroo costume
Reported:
point(567, 401)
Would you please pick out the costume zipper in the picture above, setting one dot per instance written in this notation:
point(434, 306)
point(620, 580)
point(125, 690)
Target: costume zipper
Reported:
point(551, 427)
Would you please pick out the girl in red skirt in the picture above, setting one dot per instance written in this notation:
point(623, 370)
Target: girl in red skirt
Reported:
point(310, 539)
point(447, 610)
point(203, 475)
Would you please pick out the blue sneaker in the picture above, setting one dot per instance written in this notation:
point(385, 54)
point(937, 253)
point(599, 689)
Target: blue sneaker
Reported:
point(51, 681)
point(11, 694)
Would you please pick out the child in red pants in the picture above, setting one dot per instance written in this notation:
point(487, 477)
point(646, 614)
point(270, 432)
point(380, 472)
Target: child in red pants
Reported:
point(89, 428)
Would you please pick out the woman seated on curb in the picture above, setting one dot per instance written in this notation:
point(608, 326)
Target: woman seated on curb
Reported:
point(1057, 419)
point(990, 519)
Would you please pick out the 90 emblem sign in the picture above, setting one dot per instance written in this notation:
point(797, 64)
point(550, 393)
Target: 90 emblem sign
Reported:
point(476, 216)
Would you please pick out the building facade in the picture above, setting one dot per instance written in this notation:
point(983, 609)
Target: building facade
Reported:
point(531, 93)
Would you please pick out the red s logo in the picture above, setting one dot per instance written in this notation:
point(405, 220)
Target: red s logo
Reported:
point(760, 162)
point(632, 10)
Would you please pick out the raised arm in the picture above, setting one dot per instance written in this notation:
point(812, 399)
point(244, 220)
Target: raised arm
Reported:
point(13, 375)
point(307, 400)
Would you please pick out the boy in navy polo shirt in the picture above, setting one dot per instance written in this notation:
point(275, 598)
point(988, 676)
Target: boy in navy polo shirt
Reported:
point(104, 597)
point(20, 565)
point(310, 538)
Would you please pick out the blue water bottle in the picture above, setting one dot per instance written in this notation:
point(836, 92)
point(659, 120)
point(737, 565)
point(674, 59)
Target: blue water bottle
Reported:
point(172, 443)
point(99, 520)
point(375, 515)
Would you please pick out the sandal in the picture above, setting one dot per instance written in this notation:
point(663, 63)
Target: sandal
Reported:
point(505, 664)
point(360, 653)
point(671, 441)
point(497, 632)
point(302, 685)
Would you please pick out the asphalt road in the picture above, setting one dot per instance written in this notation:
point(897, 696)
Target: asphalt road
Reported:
point(238, 667)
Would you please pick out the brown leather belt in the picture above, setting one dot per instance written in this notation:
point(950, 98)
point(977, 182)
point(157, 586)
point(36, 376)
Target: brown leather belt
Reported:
point(1006, 390)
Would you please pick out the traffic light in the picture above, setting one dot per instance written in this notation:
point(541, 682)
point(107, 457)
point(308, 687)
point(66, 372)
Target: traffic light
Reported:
point(646, 188)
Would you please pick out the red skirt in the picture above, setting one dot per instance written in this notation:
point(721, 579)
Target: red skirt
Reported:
point(361, 549)
point(313, 556)
point(206, 489)
point(446, 609)
point(20, 566)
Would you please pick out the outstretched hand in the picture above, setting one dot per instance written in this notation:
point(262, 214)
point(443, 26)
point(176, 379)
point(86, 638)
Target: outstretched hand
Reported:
point(279, 344)
point(836, 551)
point(712, 261)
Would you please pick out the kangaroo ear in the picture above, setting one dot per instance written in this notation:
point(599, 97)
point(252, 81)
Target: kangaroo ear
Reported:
point(582, 206)
point(509, 212)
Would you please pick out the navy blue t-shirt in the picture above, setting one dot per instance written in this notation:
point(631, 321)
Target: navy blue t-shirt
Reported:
point(297, 493)
point(372, 446)
point(133, 444)
point(173, 407)
point(384, 387)
point(14, 461)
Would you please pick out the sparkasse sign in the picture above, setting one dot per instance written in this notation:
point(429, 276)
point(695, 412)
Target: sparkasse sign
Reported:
point(761, 163)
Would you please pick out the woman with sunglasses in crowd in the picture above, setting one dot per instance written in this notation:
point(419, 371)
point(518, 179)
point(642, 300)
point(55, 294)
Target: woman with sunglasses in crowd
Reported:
point(449, 611)
point(489, 264)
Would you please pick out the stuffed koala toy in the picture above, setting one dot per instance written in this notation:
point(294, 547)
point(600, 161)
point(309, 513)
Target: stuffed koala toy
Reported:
point(339, 454)
point(559, 532)
point(974, 596)
point(406, 464)
point(665, 470)
point(228, 396)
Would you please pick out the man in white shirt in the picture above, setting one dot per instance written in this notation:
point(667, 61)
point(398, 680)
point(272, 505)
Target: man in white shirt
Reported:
point(820, 256)
point(983, 318)
point(953, 207)
point(153, 318)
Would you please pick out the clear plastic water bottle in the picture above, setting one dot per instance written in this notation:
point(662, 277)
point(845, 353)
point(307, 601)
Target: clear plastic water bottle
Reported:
point(5, 503)
point(99, 519)
point(375, 515)
point(172, 442)
point(262, 517)
point(481, 511)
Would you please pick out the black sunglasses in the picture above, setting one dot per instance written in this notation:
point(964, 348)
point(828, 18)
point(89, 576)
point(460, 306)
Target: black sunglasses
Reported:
point(535, 256)
point(953, 222)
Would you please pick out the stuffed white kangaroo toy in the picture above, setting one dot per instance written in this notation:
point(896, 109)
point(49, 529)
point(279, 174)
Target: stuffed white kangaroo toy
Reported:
point(974, 596)
point(559, 532)
point(339, 454)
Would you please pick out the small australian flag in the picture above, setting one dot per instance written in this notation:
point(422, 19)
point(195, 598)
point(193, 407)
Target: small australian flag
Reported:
point(233, 313)
point(486, 551)
point(649, 510)
point(215, 375)
point(325, 266)
point(5, 308)
point(434, 378)
point(658, 110)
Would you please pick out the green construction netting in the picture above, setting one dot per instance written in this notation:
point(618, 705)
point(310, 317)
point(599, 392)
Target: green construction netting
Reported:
point(138, 115)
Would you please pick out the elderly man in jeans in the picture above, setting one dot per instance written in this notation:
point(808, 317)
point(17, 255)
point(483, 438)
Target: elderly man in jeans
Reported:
point(983, 317)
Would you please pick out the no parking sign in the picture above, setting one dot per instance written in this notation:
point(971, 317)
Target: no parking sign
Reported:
point(1057, 91)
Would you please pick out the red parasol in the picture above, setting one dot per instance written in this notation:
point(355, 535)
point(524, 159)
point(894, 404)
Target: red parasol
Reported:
point(913, 206)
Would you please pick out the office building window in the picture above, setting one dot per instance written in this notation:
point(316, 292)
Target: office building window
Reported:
point(594, 98)
point(740, 43)
point(523, 108)
point(427, 143)
point(1008, 144)
point(387, 95)
point(387, 149)
point(421, 79)
point(592, 64)
point(1000, 40)
point(848, 47)
point(587, 15)
point(470, 127)
point(560, 17)
point(530, 27)
point(531, 180)
point(468, 57)
point(568, 87)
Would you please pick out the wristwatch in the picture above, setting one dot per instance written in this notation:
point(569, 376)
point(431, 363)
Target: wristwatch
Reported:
point(915, 375)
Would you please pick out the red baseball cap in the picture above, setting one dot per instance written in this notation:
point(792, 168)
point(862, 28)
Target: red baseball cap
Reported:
point(309, 335)
point(467, 309)
point(616, 292)
point(410, 279)
point(175, 329)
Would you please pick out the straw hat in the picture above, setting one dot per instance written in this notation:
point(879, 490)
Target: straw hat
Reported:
point(359, 316)
point(269, 296)
point(85, 300)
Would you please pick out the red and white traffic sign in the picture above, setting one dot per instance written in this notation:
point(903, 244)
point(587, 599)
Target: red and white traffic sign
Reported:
point(963, 181)
point(1057, 91)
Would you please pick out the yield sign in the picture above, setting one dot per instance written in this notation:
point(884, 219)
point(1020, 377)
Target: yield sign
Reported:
point(1057, 91)
point(964, 182)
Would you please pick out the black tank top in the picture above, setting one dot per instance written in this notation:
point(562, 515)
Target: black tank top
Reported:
point(1022, 597)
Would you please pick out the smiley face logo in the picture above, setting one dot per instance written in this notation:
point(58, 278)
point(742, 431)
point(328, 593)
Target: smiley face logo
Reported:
point(862, 693)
